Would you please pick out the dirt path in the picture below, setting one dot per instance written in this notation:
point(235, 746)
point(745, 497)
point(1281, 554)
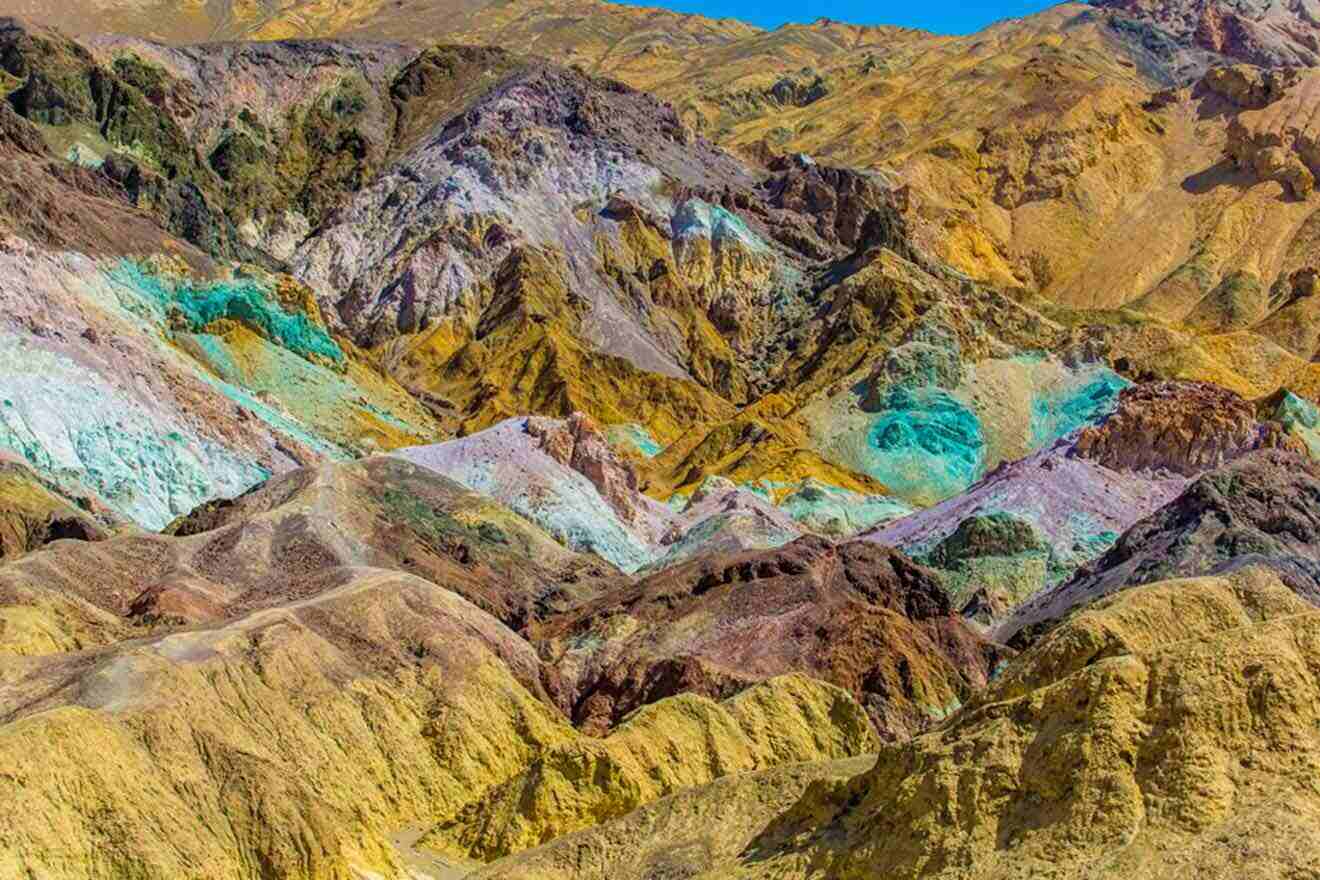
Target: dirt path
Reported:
point(424, 864)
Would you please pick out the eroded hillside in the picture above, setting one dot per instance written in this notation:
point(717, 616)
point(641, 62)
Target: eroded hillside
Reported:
point(606, 442)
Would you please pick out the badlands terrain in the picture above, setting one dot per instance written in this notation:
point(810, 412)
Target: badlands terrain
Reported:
point(558, 439)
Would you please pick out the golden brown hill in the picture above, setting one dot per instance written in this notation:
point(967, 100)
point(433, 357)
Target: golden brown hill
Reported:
point(296, 738)
point(301, 737)
point(290, 678)
point(1111, 749)
point(678, 743)
point(588, 28)
point(677, 836)
point(273, 546)
point(1061, 198)
point(1108, 749)
point(33, 515)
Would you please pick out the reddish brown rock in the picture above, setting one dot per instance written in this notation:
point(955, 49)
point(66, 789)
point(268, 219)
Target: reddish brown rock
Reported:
point(579, 444)
point(858, 615)
point(1182, 427)
point(1269, 33)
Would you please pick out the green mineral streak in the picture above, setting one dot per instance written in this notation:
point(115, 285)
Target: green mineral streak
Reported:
point(1090, 540)
point(1016, 577)
point(1060, 411)
point(433, 524)
point(139, 461)
point(243, 301)
point(637, 435)
point(939, 713)
point(698, 218)
point(997, 550)
point(82, 155)
point(1294, 410)
point(217, 355)
point(839, 512)
point(924, 443)
point(1302, 419)
point(997, 533)
point(285, 424)
point(320, 403)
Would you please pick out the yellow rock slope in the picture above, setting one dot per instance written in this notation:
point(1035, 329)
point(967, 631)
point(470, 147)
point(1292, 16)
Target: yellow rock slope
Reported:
point(678, 743)
point(1110, 749)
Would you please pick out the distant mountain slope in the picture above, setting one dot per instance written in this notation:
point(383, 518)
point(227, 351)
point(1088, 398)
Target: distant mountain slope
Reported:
point(1269, 33)
point(373, 245)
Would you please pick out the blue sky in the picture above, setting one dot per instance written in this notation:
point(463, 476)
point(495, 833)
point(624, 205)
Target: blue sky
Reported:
point(941, 16)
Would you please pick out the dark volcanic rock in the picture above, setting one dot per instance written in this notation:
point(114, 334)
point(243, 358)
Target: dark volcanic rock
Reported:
point(851, 209)
point(858, 615)
point(1263, 508)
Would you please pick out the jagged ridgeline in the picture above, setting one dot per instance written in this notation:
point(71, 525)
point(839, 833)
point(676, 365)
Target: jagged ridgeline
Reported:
point(556, 439)
point(359, 247)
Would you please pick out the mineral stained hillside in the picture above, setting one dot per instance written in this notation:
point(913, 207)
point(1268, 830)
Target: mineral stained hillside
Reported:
point(559, 439)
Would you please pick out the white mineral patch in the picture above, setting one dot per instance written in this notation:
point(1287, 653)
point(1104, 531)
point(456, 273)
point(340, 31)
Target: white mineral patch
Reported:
point(73, 424)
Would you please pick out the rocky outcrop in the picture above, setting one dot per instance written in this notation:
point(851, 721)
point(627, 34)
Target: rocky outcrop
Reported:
point(32, 515)
point(1247, 87)
point(560, 476)
point(1273, 137)
point(1184, 428)
point(798, 91)
point(991, 562)
point(996, 534)
point(1267, 33)
point(857, 615)
point(579, 444)
point(1112, 742)
point(274, 544)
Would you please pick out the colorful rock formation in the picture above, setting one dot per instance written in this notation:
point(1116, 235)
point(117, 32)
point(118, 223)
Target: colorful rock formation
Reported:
point(857, 615)
point(420, 452)
point(1178, 427)
point(1108, 743)
point(1257, 510)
